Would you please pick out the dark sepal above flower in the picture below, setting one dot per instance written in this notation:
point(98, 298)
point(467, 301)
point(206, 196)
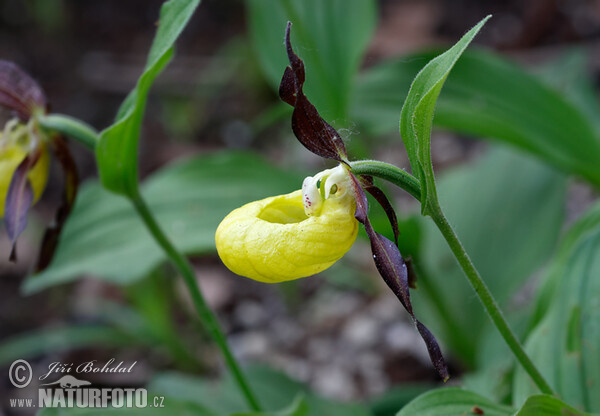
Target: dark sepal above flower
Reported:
point(308, 126)
point(19, 92)
point(322, 139)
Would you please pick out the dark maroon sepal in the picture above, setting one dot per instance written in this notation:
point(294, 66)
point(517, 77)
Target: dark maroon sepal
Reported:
point(381, 198)
point(19, 92)
point(391, 267)
point(52, 234)
point(19, 199)
point(308, 126)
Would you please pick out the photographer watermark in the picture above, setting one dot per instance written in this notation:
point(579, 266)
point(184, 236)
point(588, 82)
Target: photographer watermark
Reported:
point(69, 390)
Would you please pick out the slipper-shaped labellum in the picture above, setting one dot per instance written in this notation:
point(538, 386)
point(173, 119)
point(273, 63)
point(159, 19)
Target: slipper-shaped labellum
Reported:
point(11, 156)
point(12, 153)
point(291, 236)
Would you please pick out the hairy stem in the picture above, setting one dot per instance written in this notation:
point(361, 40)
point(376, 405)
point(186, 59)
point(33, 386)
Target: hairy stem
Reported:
point(410, 184)
point(488, 301)
point(390, 173)
point(204, 312)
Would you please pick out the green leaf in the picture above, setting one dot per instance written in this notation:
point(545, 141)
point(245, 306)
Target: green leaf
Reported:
point(488, 97)
point(397, 397)
point(104, 236)
point(274, 390)
point(588, 224)
point(330, 36)
point(298, 408)
point(565, 343)
point(544, 405)
point(570, 75)
point(453, 402)
point(117, 149)
point(503, 206)
point(417, 115)
point(57, 339)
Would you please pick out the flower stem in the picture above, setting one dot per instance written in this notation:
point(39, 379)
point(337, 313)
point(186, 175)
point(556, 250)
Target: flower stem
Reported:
point(488, 301)
point(410, 184)
point(204, 312)
point(71, 127)
point(87, 136)
point(390, 173)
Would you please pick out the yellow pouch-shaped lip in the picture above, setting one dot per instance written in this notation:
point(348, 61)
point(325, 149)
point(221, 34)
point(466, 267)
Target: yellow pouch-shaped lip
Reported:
point(10, 158)
point(274, 240)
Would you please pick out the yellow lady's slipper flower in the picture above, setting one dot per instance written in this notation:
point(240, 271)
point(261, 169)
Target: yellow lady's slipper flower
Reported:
point(15, 145)
point(291, 236)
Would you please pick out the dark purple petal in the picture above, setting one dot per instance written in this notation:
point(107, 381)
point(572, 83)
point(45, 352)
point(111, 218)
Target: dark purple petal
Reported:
point(393, 270)
point(52, 234)
point(18, 91)
point(287, 88)
point(367, 183)
point(308, 126)
point(433, 348)
point(19, 199)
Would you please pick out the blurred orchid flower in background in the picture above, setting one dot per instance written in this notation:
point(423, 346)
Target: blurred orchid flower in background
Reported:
point(25, 159)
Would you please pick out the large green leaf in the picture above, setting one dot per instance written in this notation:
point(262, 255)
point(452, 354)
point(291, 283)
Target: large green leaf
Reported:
point(569, 74)
point(459, 402)
point(416, 116)
point(58, 339)
point(565, 345)
point(508, 211)
point(330, 36)
point(487, 96)
point(104, 236)
point(117, 149)
point(453, 402)
point(298, 408)
point(273, 389)
point(544, 405)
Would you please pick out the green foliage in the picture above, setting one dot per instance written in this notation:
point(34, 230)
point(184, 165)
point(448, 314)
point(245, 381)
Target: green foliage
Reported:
point(274, 390)
point(566, 341)
point(117, 150)
point(458, 402)
point(544, 405)
point(298, 408)
point(105, 238)
point(452, 402)
point(486, 96)
point(417, 116)
point(508, 211)
point(65, 338)
point(330, 36)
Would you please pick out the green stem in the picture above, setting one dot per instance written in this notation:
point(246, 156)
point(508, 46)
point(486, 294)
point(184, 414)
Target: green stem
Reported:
point(390, 173)
point(86, 135)
point(204, 312)
point(409, 183)
point(71, 127)
point(488, 301)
